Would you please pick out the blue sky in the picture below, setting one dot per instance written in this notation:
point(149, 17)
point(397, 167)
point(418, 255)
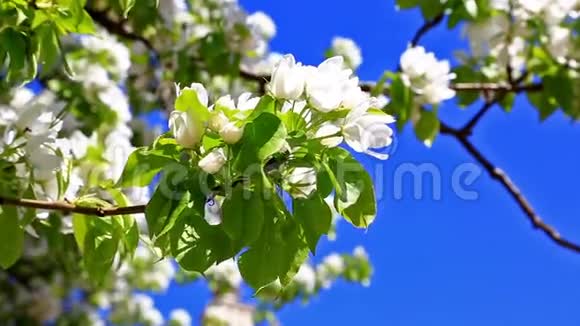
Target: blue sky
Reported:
point(449, 261)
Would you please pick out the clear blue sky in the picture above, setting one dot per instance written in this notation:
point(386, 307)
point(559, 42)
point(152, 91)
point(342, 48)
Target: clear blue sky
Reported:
point(442, 262)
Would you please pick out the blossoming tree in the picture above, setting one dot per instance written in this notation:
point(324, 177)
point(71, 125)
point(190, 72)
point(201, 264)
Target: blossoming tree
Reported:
point(96, 206)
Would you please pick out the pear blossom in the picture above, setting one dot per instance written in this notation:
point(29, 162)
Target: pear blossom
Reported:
point(302, 182)
point(325, 84)
point(217, 120)
point(199, 89)
point(560, 42)
point(262, 24)
point(186, 130)
point(231, 133)
point(213, 161)
point(306, 278)
point(428, 77)
point(364, 131)
point(334, 262)
point(360, 252)
point(347, 48)
point(288, 79)
point(225, 272)
point(179, 317)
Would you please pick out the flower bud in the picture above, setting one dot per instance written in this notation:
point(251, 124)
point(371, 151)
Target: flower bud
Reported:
point(225, 102)
point(217, 121)
point(213, 161)
point(186, 130)
point(231, 133)
point(287, 79)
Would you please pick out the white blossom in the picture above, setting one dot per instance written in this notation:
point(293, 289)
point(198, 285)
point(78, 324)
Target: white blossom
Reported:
point(302, 182)
point(179, 317)
point(213, 161)
point(200, 91)
point(560, 42)
point(306, 278)
point(186, 130)
point(334, 262)
point(428, 77)
point(326, 84)
point(261, 24)
point(288, 79)
point(360, 252)
point(226, 272)
point(348, 49)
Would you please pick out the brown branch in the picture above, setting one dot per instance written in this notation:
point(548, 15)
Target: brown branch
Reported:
point(496, 87)
point(500, 176)
point(430, 24)
point(67, 207)
point(118, 28)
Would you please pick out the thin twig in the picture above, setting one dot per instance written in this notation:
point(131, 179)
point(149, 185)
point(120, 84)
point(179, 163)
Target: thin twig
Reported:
point(430, 24)
point(487, 105)
point(118, 28)
point(496, 87)
point(500, 176)
point(67, 207)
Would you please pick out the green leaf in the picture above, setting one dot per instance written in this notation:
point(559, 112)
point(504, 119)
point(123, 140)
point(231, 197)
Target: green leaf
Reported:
point(243, 214)
point(179, 206)
point(278, 253)
point(314, 216)
point(357, 203)
point(145, 163)
point(126, 6)
point(48, 43)
point(99, 252)
point(15, 44)
point(11, 237)
point(267, 104)
point(427, 128)
point(546, 105)
point(431, 8)
point(80, 227)
point(262, 137)
point(407, 4)
point(560, 86)
point(401, 102)
point(195, 244)
point(170, 194)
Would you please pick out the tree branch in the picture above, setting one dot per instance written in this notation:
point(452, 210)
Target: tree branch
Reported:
point(468, 128)
point(118, 28)
point(430, 24)
point(496, 87)
point(67, 207)
point(500, 176)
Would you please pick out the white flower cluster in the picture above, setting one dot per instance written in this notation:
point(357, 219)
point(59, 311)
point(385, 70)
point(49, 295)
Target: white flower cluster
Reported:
point(327, 98)
point(29, 128)
point(146, 271)
point(348, 49)
point(179, 317)
point(428, 77)
point(224, 276)
point(504, 38)
point(247, 34)
point(137, 309)
point(102, 81)
point(327, 88)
